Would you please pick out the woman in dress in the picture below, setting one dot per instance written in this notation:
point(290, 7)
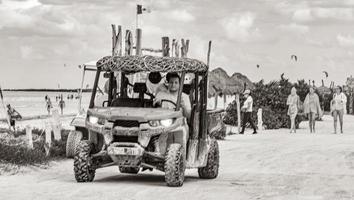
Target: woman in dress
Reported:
point(338, 106)
point(294, 103)
point(312, 108)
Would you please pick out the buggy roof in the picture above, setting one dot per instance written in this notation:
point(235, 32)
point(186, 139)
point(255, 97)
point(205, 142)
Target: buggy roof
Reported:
point(131, 64)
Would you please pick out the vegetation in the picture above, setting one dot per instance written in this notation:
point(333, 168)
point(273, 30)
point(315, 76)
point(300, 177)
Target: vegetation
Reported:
point(13, 148)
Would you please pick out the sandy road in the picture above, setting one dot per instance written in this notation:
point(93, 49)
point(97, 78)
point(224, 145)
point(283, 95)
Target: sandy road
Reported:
point(270, 165)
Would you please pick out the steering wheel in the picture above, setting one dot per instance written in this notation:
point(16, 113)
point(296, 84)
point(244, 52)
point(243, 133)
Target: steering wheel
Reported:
point(169, 101)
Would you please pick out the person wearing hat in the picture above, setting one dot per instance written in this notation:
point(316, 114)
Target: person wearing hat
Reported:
point(247, 109)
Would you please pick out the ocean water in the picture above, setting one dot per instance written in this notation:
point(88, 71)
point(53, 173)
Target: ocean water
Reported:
point(33, 103)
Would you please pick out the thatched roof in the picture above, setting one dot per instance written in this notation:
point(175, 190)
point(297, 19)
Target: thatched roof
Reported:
point(221, 83)
point(243, 79)
point(151, 63)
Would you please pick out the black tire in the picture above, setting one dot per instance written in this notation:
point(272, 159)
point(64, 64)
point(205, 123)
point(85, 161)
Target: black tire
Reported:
point(73, 140)
point(83, 165)
point(211, 170)
point(129, 170)
point(174, 166)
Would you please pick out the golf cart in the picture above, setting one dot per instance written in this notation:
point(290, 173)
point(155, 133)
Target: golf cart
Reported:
point(127, 130)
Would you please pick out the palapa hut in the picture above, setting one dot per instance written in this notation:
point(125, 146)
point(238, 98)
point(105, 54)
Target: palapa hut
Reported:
point(221, 85)
point(243, 79)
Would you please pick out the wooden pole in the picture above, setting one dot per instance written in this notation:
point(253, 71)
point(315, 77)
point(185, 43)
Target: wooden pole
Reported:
point(29, 136)
point(138, 42)
point(165, 46)
point(82, 85)
point(238, 112)
point(185, 47)
point(128, 42)
point(116, 40)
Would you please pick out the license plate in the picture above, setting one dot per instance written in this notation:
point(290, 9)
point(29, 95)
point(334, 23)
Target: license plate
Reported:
point(124, 151)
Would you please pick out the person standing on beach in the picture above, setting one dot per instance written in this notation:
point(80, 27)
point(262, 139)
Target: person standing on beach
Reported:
point(61, 104)
point(49, 105)
point(247, 109)
point(338, 106)
point(13, 116)
point(293, 102)
point(312, 108)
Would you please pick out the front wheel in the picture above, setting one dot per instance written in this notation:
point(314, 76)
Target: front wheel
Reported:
point(211, 170)
point(175, 166)
point(83, 165)
point(73, 140)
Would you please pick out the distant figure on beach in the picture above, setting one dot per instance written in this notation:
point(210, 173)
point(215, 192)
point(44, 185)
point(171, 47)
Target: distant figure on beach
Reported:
point(338, 106)
point(293, 102)
point(13, 116)
point(48, 105)
point(247, 115)
point(46, 97)
point(61, 104)
point(312, 108)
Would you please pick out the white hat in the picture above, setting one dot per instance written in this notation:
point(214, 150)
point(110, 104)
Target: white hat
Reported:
point(247, 92)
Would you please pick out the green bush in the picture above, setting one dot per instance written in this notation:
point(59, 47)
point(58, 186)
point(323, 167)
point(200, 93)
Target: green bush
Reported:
point(271, 97)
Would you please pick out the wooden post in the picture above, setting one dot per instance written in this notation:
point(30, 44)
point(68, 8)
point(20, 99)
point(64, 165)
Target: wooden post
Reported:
point(224, 101)
point(138, 42)
point(184, 48)
point(128, 43)
point(216, 101)
point(29, 136)
point(48, 138)
point(116, 40)
point(165, 46)
point(56, 125)
point(238, 112)
point(260, 119)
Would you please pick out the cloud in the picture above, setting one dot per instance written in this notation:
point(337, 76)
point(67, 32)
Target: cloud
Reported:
point(240, 26)
point(311, 14)
point(295, 28)
point(181, 15)
point(345, 40)
point(27, 52)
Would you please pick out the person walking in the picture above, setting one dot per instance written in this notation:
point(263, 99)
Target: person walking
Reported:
point(293, 102)
point(247, 115)
point(49, 105)
point(312, 108)
point(338, 106)
point(61, 104)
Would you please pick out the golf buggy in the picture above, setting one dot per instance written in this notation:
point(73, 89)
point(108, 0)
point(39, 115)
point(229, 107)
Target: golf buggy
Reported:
point(127, 130)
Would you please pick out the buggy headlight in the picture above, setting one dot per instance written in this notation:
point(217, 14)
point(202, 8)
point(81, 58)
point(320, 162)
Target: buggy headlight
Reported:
point(166, 122)
point(154, 123)
point(93, 120)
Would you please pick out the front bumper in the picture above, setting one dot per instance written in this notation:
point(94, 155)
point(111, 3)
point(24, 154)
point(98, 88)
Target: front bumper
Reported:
point(126, 154)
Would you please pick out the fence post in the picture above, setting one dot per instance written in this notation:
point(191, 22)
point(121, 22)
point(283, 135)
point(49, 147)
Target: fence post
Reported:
point(260, 119)
point(29, 136)
point(238, 112)
point(48, 138)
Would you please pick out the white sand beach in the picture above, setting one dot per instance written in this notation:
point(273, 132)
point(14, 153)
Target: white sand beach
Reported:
point(271, 165)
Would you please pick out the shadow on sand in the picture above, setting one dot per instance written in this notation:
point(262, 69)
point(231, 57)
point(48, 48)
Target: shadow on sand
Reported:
point(142, 179)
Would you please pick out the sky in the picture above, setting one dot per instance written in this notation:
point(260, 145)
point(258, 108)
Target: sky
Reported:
point(42, 42)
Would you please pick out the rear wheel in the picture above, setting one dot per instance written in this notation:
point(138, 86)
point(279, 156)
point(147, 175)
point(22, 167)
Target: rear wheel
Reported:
point(129, 170)
point(211, 170)
point(73, 140)
point(83, 165)
point(175, 166)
